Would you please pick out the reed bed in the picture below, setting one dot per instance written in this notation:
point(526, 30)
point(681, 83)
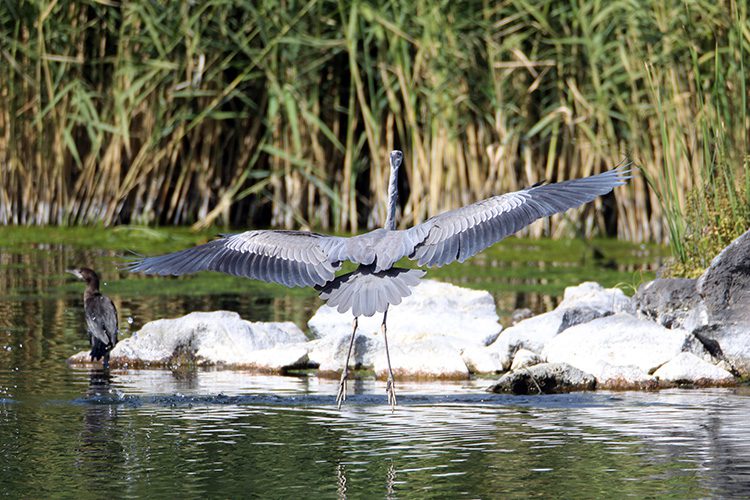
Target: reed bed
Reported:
point(282, 114)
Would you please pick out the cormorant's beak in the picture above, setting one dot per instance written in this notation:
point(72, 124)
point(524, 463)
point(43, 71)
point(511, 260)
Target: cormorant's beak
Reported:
point(75, 272)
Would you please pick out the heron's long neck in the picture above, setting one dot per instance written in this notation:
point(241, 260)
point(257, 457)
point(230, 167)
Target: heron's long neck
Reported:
point(390, 220)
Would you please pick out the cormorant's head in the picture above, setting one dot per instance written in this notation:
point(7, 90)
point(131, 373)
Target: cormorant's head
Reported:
point(85, 274)
point(396, 158)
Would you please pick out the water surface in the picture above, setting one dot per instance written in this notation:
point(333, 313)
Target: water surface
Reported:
point(156, 433)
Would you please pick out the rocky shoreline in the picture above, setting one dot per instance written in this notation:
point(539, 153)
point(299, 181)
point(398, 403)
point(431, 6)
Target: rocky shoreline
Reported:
point(672, 332)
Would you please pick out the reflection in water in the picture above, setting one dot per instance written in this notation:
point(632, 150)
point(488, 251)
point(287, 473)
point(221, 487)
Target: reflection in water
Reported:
point(341, 480)
point(98, 448)
point(245, 435)
point(390, 481)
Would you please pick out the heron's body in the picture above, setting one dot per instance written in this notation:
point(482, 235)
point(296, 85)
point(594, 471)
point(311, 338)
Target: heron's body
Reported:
point(301, 258)
point(101, 316)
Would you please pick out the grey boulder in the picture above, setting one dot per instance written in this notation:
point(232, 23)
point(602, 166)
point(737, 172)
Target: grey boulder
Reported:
point(544, 378)
point(670, 302)
point(725, 292)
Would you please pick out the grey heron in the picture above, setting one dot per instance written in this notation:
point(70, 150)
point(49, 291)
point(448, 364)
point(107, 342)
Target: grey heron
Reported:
point(101, 316)
point(302, 258)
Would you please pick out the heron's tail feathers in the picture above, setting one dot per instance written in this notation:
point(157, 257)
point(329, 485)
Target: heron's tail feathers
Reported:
point(366, 292)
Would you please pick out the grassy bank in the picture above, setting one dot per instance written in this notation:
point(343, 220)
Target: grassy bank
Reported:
point(268, 114)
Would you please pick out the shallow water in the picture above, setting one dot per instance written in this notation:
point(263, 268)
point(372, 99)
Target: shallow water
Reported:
point(133, 433)
point(149, 433)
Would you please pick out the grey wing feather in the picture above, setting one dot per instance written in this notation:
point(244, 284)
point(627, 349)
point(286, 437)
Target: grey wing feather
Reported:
point(291, 258)
point(459, 234)
point(101, 319)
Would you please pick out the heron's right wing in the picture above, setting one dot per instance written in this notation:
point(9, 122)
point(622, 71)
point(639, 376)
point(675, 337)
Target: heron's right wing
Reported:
point(291, 258)
point(461, 233)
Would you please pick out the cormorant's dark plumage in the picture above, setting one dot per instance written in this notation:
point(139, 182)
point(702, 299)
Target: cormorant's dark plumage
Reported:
point(101, 316)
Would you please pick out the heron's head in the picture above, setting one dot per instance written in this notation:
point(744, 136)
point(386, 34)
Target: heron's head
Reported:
point(84, 274)
point(396, 158)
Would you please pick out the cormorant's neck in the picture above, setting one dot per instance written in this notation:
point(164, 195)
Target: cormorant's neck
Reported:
point(390, 220)
point(92, 288)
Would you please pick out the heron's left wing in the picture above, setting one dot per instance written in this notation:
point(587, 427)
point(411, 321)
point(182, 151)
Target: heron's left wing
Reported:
point(291, 258)
point(461, 233)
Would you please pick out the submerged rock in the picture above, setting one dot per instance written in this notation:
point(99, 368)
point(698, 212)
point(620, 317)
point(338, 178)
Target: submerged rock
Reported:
point(545, 378)
point(219, 338)
point(688, 368)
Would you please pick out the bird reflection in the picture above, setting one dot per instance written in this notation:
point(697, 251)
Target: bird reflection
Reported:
point(341, 479)
point(390, 481)
point(96, 441)
point(100, 383)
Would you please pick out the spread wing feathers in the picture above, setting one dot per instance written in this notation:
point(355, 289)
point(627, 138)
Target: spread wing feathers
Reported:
point(459, 234)
point(291, 258)
point(366, 292)
point(101, 320)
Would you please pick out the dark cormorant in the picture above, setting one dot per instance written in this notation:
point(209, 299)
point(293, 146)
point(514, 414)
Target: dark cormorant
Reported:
point(101, 316)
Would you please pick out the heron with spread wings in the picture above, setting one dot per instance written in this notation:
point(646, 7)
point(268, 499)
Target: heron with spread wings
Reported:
point(302, 258)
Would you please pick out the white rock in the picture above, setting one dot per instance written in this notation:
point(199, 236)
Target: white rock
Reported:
point(430, 357)
point(525, 358)
point(620, 340)
point(686, 367)
point(214, 338)
point(531, 334)
point(620, 376)
point(479, 359)
point(434, 308)
point(329, 353)
point(275, 359)
point(592, 294)
point(534, 333)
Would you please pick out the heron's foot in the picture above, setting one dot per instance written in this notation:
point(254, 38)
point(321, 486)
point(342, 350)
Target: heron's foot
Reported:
point(390, 389)
point(341, 394)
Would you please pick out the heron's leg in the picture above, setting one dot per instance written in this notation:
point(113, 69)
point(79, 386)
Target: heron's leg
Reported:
point(105, 361)
point(390, 385)
point(341, 395)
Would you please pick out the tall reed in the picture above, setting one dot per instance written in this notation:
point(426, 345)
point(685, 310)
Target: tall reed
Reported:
point(282, 114)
